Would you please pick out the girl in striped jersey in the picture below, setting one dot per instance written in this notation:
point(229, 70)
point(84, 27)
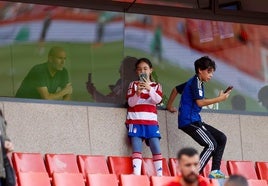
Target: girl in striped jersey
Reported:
point(141, 121)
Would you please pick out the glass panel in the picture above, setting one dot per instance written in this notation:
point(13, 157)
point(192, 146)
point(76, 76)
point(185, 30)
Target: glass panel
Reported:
point(101, 49)
point(92, 40)
point(173, 44)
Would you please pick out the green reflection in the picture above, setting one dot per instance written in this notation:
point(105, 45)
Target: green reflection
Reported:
point(49, 80)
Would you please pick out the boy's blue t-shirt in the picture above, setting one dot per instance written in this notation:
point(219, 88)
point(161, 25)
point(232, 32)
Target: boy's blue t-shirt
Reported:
point(188, 109)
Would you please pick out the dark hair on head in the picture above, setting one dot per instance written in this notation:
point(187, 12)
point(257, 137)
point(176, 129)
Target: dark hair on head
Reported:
point(263, 93)
point(145, 60)
point(237, 180)
point(204, 63)
point(238, 102)
point(263, 96)
point(188, 151)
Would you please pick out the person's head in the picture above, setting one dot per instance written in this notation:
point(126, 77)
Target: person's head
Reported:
point(127, 68)
point(56, 58)
point(263, 96)
point(236, 180)
point(204, 68)
point(144, 66)
point(188, 163)
point(238, 102)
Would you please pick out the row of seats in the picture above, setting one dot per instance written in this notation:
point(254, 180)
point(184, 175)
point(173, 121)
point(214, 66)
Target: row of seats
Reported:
point(76, 179)
point(118, 165)
point(85, 164)
point(249, 169)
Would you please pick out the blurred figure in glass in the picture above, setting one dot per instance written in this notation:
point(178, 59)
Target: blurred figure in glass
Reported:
point(118, 91)
point(238, 103)
point(263, 96)
point(49, 80)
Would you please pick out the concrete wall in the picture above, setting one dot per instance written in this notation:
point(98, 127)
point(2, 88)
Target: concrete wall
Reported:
point(61, 128)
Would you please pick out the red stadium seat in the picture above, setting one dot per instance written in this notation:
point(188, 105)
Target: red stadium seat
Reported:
point(254, 182)
point(33, 179)
point(134, 180)
point(28, 162)
point(120, 165)
point(245, 168)
point(173, 166)
point(207, 168)
point(161, 180)
point(67, 179)
point(262, 170)
point(61, 163)
point(102, 180)
point(147, 167)
point(90, 164)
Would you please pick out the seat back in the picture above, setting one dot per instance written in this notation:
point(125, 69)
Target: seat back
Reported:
point(173, 166)
point(67, 179)
point(120, 165)
point(28, 162)
point(134, 180)
point(33, 179)
point(254, 182)
point(147, 167)
point(102, 179)
point(245, 168)
point(207, 168)
point(61, 163)
point(262, 170)
point(91, 164)
point(161, 180)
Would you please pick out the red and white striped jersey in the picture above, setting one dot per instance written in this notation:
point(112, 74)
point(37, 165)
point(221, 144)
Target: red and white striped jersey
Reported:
point(142, 109)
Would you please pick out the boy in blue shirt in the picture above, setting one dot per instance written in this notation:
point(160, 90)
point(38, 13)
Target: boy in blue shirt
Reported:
point(189, 119)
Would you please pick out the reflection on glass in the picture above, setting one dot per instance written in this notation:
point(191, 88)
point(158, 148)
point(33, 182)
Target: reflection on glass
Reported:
point(263, 96)
point(238, 49)
point(118, 90)
point(90, 38)
point(238, 102)
point(49, 80)
point(97, 41)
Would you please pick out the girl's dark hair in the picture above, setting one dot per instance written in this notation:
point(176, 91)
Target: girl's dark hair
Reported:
point(145, 60)
point(204, 63)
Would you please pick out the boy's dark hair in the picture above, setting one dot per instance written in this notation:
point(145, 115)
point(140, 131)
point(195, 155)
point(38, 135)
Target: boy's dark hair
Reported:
point(237, 180)
point(188, 151)
point(204, 63)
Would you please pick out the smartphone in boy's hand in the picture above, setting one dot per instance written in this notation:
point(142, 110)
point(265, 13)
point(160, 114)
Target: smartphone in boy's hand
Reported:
point(228, 88)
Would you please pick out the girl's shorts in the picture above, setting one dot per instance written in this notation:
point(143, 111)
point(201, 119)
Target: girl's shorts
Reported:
point(143, 131)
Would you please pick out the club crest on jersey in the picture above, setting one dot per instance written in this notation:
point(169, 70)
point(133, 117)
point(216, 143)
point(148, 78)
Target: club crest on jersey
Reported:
point(129, 91)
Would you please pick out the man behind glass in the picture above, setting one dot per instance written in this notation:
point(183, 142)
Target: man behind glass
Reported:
point(49, 80)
